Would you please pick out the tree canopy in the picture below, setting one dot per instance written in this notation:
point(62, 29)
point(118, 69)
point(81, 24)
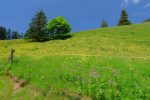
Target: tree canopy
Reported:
point(58, 26)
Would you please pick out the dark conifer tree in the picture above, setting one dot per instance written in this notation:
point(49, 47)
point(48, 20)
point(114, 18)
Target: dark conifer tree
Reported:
point(37, 31)
point(9, 34)
point(104, 24)
point(15, 35)
point(3, 33)
point(124, 18)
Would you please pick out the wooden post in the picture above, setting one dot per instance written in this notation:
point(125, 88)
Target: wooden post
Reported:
point(11, 55)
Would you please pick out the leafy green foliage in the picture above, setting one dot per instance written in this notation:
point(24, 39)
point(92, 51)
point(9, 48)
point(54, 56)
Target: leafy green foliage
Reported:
point(104, 24)
point(58, 26)
point(124, 18)
point(37, 30)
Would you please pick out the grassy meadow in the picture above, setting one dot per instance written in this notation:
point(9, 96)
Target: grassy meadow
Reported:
point(101, 64)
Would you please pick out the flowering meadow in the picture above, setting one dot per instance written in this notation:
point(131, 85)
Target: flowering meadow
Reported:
point(100, 64)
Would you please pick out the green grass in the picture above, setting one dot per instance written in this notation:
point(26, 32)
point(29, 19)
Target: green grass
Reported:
point(103, 64)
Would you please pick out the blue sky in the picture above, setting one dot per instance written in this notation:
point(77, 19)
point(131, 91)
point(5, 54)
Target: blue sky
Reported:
point(81, 14)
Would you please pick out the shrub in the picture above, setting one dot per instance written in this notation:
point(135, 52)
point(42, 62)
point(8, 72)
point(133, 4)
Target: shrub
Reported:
point(58, 27)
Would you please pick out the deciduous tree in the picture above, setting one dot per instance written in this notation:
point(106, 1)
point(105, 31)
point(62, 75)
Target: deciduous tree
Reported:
point(58, 26)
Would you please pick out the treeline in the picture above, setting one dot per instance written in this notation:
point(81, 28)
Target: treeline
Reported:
point(41, 30)
point(147, 20)
point(57, 28)
point(8, 34)
point(123, 20)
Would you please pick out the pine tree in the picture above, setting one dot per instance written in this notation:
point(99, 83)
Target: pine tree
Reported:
point(15, 35)
point(104, 24)
point(3, 33)
point(124, 18)
point(9, 34)
point(37, 31)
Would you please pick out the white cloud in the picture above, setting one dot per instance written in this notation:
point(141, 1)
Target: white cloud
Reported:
point(135, 1)
point(131, 1)
point(147, 5)
point(126, 1)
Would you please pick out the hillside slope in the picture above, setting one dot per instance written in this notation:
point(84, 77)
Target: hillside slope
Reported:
point(101, 64)
point(126, 41)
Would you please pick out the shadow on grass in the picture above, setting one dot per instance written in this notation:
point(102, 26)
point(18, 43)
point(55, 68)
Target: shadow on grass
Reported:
point(50, 38)
point(61, 37)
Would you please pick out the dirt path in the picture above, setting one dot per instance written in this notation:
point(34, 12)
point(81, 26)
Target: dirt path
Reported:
point(11, 89)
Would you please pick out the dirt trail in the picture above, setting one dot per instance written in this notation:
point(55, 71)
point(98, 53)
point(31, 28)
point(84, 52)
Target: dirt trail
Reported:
point(16, 89)
point(17, 83)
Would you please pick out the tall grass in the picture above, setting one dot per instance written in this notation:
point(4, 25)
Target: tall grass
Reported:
point(97, 77)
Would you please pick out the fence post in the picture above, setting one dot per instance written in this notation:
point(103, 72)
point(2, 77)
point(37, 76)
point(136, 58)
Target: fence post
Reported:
point(11, 55)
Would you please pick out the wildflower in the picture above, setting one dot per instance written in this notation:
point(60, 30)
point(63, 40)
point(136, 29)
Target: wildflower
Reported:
point(110, 82)
point(93, 73)
point(114, 72)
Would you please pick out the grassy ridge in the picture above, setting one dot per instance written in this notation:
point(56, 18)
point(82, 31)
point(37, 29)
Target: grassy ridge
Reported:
point(109, 63)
